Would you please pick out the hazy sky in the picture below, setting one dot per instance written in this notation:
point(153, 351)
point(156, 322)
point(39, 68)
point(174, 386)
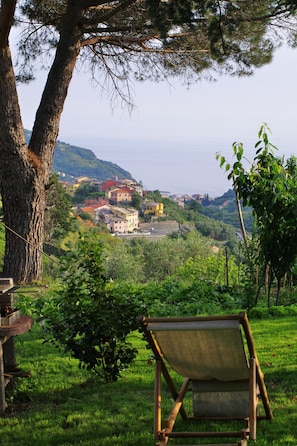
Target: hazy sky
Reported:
point(179, 130)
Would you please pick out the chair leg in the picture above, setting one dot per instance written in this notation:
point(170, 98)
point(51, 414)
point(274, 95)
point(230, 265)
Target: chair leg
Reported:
point(157, 417)
point(253, 400)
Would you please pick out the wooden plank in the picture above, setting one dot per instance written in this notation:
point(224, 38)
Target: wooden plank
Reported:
point(20, 326)
point(7, 333)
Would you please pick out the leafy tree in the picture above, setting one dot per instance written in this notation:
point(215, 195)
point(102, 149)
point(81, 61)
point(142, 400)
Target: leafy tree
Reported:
point(229, 215)
point(87, 319)
point(270, 187)
point(162, 258)
point(85, 216)
point(217, 230)
point(136, 201)
point(172, 210)
point(150, 39)
point(193, 205)
point(158, 259)
point(85, 191)
point(120, 264)
point(211, 268)
point(154, 196)
point(58, 220)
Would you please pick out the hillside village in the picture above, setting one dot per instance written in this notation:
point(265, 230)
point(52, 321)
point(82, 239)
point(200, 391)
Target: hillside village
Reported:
point(115, 208)
point(124, 205)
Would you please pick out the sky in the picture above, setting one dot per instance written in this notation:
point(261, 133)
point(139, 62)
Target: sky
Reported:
point(170, 140)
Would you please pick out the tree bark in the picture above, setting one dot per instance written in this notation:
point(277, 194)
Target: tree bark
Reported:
point(24, 170)
point(16, 179)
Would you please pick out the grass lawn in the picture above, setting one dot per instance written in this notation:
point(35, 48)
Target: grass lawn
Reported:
point(60, 404)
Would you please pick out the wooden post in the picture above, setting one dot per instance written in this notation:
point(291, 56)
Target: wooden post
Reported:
point(9, 355)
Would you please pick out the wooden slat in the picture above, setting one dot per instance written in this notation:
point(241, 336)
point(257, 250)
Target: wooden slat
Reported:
point(230, 317)
point(207, 434)
point(242, 443)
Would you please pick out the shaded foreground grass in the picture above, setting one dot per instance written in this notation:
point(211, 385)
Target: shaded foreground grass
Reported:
point(60, 404)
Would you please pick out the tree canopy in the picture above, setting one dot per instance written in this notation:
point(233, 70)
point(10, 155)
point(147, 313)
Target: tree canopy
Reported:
point(116, 40)
point(155, 38)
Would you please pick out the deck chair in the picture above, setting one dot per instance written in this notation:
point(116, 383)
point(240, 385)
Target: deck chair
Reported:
point(217, 360)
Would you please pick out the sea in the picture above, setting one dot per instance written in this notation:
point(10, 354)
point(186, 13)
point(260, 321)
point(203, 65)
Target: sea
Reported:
point(172, 167)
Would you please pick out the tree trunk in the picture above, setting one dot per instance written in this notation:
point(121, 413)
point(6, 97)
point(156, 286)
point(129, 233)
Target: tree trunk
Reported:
point(16, 181)
point(278, 290)
point(243, 231)
point(24, 170)
point(21, 187)
point(23, 207)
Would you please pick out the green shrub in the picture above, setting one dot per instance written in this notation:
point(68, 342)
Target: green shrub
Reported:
point(87, 318)
point(273, 311)
point(174, 297)
point(258, 313)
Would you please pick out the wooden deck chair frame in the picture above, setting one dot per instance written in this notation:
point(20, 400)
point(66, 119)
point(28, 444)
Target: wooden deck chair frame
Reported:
point(255, 379)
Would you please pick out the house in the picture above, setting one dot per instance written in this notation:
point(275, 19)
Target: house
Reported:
point(118, 220)
point(120, 195)
point(133, 185)
point(115, 224)
point(198, 197)
point(130, 215)
point(92, 207)
point(83, 179)
point(153, 208)
point(100, 210)
point(179, 200)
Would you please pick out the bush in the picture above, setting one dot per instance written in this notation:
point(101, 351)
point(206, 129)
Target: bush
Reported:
point(273, 311)
point(87, 318)
point(174, 297)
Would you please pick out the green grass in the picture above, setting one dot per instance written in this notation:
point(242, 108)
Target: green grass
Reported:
point(60, 404)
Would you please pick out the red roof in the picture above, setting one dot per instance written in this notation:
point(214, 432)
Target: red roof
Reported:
point(96, 203)
point(107, 184)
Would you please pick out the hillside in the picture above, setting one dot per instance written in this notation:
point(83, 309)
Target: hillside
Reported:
point(224, 209)
point(75, 162)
